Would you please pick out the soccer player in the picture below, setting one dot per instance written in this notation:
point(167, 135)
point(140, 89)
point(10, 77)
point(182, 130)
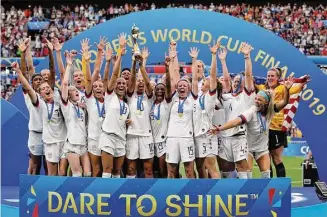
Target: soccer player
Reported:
point(94, 97)
point(234, 143)
point(180, 142)
point(160, 112)
point(277, 137)
point(112, 140)
point(75, 118)
point(203, 114)
point(139, 134)
point(53, 125)
point(257, 119)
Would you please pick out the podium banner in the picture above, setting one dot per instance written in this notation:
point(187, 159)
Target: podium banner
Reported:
point(68, 196)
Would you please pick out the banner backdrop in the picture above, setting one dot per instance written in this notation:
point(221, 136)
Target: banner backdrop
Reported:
point(200, 28)
point(66, 196)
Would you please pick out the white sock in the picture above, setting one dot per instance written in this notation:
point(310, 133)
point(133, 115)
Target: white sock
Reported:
point(106, 175)
point(242, 175)
point(116, 176)
point(130, 177)
point(265, 174)
point(249, 174)
point(88, 174)
point(77, 174)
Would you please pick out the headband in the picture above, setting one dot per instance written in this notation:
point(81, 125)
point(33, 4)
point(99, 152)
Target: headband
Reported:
point(264, 95)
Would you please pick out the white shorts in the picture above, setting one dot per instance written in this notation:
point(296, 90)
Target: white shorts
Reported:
point(213, 146)
point(234, 148)
point(54, 152)
point(112, 144)
point(258, 154)
point(180, 149)
point(160, 148)
point(93, 147)
point(139, 147)
point(220, 146)
point(202, 146)
point(75, 149)
point(35, 143)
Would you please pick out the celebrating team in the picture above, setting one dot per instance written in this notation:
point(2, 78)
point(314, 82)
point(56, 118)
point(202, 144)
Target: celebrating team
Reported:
point(98, 126)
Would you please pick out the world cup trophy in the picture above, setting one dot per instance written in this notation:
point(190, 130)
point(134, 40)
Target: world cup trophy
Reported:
point(135, 34)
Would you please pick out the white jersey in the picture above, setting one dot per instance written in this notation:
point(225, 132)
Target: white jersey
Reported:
point(96, 114)
point(75, 123)
point(257, 129)
point(181, 118)
point(218, 118)
point(140, 107)
point(82, 96)
point(235, 105)
point(117, 112)
point(203, 112)
point(35, 119)
point(56, 94)
point(54, 128)
point(159, 120)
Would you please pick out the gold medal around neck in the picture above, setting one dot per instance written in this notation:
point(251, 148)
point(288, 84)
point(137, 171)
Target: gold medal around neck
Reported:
point(139, 112)
point(120, 117)
point(158, 121)
point(180, 115)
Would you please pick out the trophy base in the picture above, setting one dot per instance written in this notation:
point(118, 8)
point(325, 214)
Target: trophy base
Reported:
point(137, 57)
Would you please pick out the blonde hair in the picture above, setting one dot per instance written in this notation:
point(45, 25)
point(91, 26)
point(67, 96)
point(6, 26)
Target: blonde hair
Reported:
point(270, 108)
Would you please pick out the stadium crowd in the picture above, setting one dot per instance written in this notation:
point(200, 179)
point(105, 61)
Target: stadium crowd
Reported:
point(301, 25)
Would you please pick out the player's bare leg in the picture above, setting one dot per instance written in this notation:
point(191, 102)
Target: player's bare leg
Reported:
point(189, 169)
point(86, 164)
point(107, 164)
point(210, 163)
point(163, 166)
point(201, 168)
point(148, 168)
point(118, 165)
point(131, 169)
point(75, 164)
point(63, 167)
point(173, 170)
point(52, 168)
point(96, 165)
point(276, 156)
point(264, 165)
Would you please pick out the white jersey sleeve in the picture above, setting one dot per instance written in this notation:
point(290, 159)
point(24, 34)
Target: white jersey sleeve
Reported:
point(181, 123)
point(159, 116)
point(203, 112)
point(117, 112)
point(35, 116)
point(54, 127)
point(75, 123)
point(96, 113)
point(235, 105)
point(257, 129)
point(140, 114)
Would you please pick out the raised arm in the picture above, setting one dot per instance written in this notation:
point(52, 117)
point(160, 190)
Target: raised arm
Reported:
point(168, 90)
point(116, 69)
point(86, 57)
point(29, 58)
point(287, 84)
point(65, 81)
point(148, 88)
point(52, 79)
point(26, 85)
point(174, 65)
point(246, 50)
point(57, 47)
point(107, 67)
point(98, 60)
point(22, 47)
point(132, 79)
point(145, 55)
point(213, 70)
point(194, 52)
point(222, 53)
